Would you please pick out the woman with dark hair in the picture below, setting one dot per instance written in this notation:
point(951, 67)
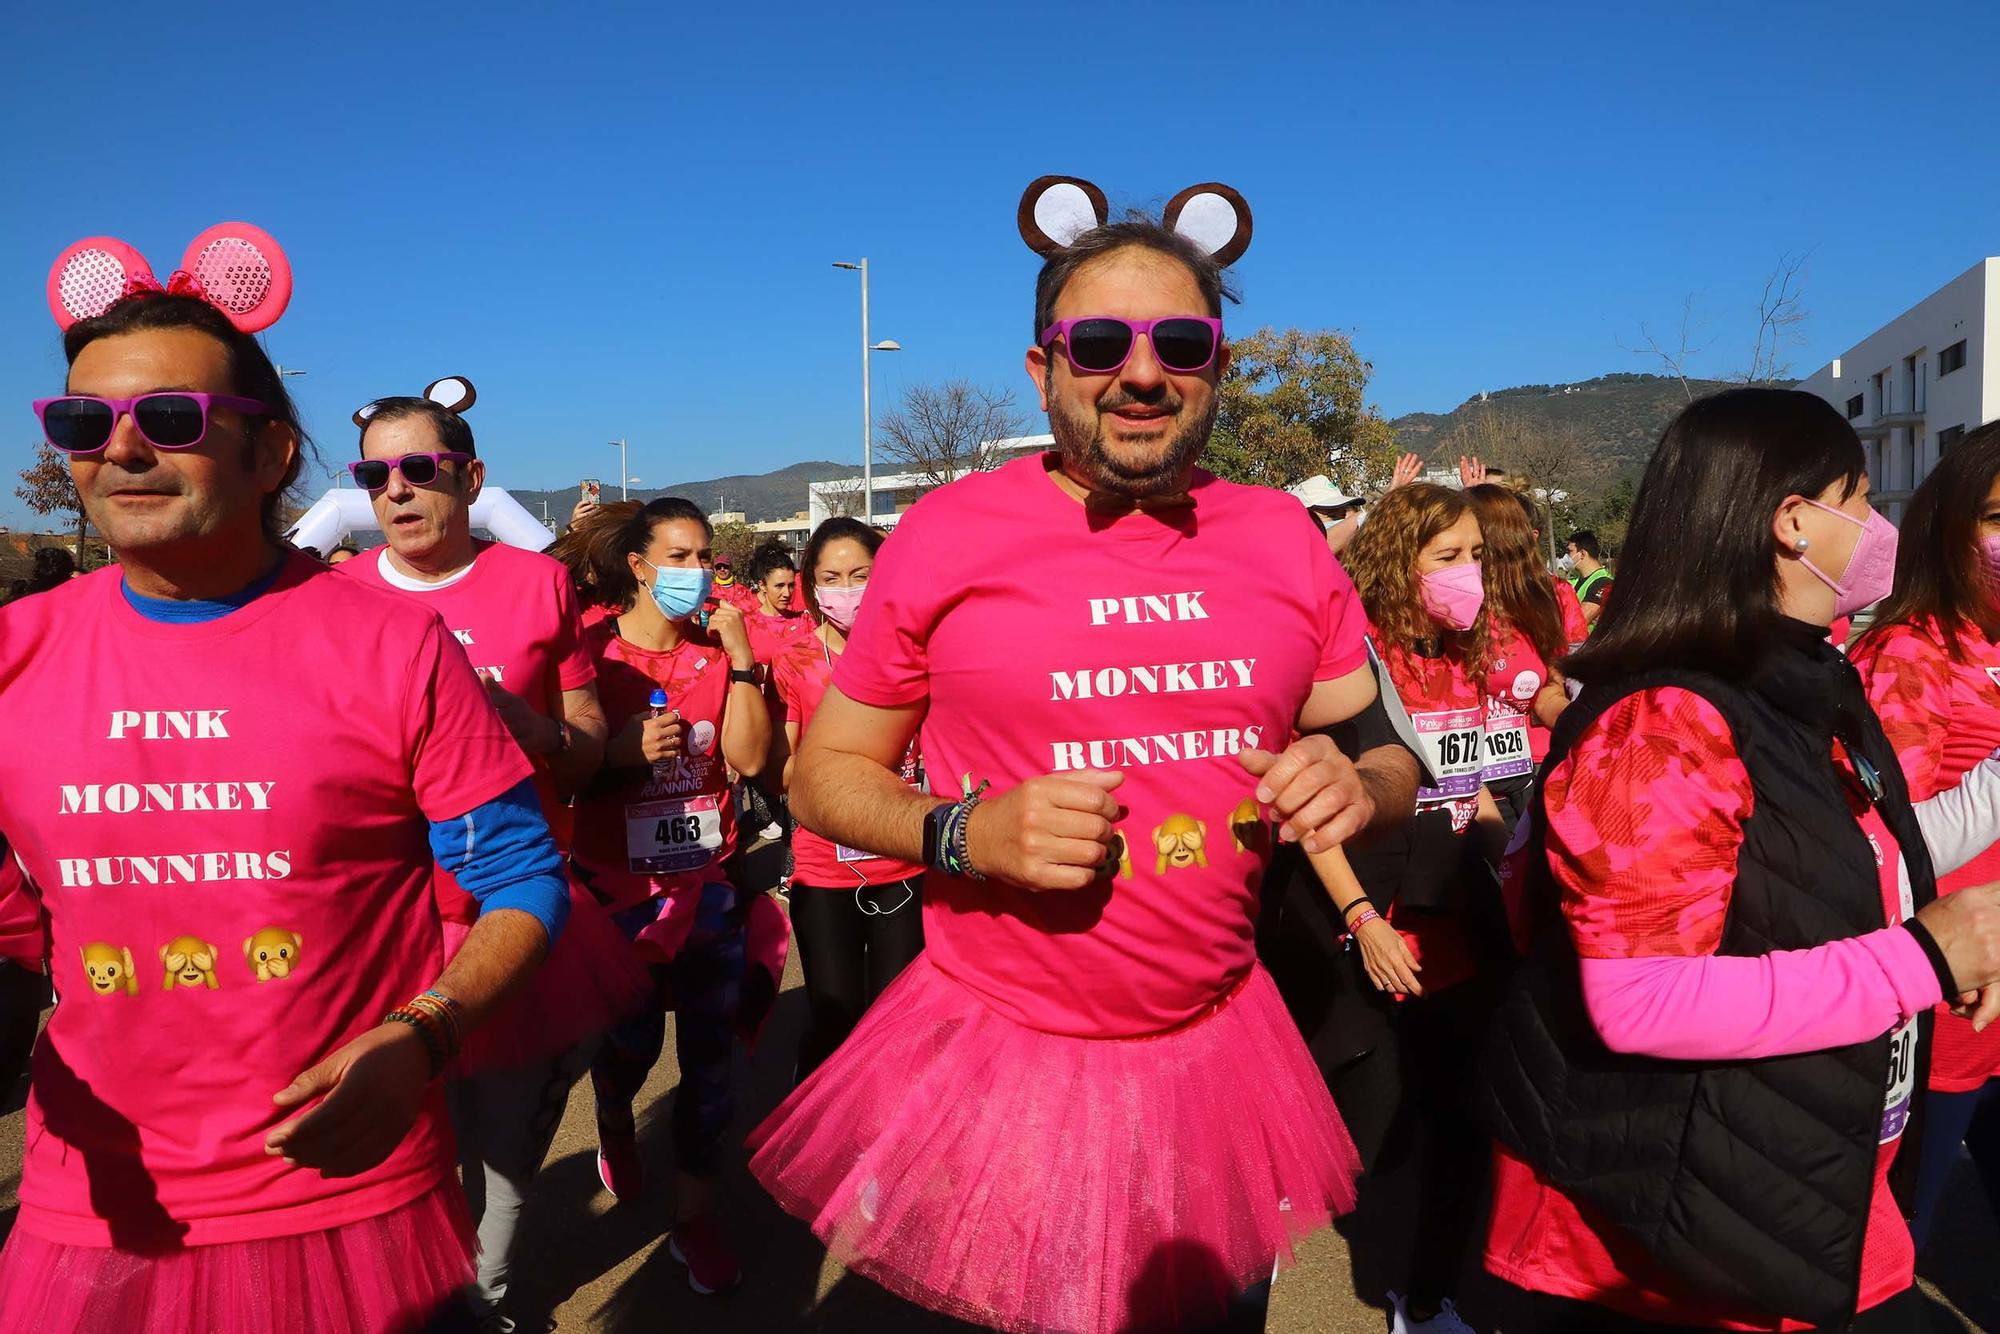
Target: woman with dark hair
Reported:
point(1731, 938)
point(1531, 628)
point(773, 623)
point(1417, 565)
point(656, 839)
point(1931, 663)
point(858, 917)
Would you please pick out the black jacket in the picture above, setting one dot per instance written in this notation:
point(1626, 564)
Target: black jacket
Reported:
point(1749, 1179)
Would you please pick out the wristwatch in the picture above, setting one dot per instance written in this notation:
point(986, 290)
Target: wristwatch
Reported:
point(934, 843)
point(752, 677)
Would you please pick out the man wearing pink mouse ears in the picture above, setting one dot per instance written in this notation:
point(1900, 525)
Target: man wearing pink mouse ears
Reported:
point(1084, 1107)
point(244, 766)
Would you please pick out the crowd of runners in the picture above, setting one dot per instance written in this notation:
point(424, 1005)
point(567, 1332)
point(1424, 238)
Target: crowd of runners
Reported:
point(1175, 865)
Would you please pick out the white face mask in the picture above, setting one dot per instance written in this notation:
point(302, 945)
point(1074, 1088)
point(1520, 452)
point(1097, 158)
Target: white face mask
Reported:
point(1565, 563)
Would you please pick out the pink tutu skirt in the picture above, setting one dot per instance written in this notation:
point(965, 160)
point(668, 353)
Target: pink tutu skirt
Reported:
point(590, 981)
point(383, 1275)
point(1032, 1181)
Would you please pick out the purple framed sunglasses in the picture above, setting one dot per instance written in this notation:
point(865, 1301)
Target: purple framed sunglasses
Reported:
point(1101, 344)
point(417, 469)
point(171, 419)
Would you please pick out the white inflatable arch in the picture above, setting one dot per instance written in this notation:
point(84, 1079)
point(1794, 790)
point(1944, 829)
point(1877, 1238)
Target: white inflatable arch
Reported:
point(340, 511)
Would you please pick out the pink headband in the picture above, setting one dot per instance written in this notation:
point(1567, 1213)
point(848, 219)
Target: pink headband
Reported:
point(233, 266)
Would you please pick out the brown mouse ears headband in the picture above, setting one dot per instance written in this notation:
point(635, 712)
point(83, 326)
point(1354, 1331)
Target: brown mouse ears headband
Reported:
point(1055, 210)
point(454, 393)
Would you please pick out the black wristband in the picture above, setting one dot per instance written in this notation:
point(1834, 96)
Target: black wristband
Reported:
point(1936, 956)
point(1363, 902)
point(934, 824)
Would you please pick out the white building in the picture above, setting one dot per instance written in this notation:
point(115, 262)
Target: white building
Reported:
point(896, 492)
point(1915, 386)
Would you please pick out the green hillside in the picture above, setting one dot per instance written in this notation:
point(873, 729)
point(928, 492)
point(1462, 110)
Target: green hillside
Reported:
point(762, 496)
point(1619, 417)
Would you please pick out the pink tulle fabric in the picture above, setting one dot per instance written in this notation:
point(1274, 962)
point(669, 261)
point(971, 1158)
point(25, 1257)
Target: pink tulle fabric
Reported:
point(590, 981)
point(1031, 1181)
point(385, 1275)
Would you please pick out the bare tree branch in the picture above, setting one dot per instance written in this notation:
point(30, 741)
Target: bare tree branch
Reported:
point(842, 497)
point(942, 431)
point(1780, 313)
point(1683, 351)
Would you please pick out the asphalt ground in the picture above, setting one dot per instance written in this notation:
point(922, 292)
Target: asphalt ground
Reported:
point(585, 1262)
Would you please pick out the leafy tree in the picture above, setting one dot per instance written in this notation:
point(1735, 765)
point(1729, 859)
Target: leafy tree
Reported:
point(1292, 405)
point(734, 542)
point(49, 489)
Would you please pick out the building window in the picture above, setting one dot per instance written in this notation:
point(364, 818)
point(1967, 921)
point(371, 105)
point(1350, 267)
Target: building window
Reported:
point(1854, 406)
point(1948, 437)
point(1952, 358)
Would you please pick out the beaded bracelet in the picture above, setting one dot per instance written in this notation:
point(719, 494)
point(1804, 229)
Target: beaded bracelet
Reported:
point(1354, 927)
point(956, 849)
point(422, 1023)
point(446, 1009)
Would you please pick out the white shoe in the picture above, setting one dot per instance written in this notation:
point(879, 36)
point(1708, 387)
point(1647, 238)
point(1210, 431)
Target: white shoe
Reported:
point(1446, 1321)
point(771, 832)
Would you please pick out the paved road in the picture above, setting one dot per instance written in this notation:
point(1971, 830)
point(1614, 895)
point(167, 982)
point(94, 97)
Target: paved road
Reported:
point(586, 1264)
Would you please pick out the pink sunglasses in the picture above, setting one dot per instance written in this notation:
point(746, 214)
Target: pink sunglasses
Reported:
point(1101, 344)
point(173, 419)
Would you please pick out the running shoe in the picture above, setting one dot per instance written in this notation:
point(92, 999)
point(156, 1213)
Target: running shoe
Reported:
point(618, 1165)
point(711, 1263)
point(1446, 1321)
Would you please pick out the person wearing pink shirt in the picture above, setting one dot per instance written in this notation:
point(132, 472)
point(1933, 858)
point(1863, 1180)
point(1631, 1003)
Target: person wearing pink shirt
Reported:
point(1084, 1107)
point(656, 841)
point(236, 1120)
point(514, 612)
point(858, 917)
point(1931, 662)
point(1704, 1075)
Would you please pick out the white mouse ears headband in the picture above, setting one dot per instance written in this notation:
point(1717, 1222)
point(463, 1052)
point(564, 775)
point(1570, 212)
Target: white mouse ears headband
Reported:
point(454, 393)
point(233, 266)
point(1055, 210)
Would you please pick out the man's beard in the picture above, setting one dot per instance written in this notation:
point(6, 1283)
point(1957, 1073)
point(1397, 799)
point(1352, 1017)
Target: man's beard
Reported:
point(1080, 441)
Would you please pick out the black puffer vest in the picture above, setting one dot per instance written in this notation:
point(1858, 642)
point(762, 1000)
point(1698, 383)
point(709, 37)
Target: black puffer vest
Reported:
point(1749, 1179)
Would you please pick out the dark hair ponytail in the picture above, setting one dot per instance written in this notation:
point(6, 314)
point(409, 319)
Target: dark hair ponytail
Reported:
point(595, 547)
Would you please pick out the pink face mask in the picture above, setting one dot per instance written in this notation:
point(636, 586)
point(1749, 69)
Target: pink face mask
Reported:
point(1990, 549)
point(839, 605)
point(1454, 595)
point(1871, 570)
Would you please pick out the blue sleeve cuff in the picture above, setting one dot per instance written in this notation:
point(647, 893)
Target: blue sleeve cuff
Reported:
point(502, 854)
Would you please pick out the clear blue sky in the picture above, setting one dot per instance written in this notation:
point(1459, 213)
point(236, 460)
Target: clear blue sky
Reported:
point(619, 221)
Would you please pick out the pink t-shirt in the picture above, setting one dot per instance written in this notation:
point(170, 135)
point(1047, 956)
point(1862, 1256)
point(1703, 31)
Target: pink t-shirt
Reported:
point(1941, 711)
point(1048, 640)
point(800, 676)
point(772, 635)
point(514, 612)
point(206, 803)
point(639, 834)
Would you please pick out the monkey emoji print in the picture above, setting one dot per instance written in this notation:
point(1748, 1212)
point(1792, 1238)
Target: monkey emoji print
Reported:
point(273, 952)
point(190, 962)
point(109, 968)
point(1179, 843)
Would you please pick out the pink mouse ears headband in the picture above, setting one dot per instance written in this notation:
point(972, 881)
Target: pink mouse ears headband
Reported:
point(1055, 210)
point(233, 266)
point(454, 393)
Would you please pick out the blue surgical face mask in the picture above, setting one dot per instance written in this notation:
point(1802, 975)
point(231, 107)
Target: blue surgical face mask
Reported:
point(678, 591)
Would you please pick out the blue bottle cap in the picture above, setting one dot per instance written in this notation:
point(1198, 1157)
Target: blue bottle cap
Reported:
point(657, 700)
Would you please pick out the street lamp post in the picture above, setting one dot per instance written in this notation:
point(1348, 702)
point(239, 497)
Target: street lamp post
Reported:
point(622, 478)
point(867, 411)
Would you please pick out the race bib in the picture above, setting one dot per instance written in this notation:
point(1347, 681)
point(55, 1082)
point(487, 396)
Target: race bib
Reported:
point(1507, 746)
point(1902, 1080)
point(1453, 743)
point(663, 837)
point(846, 855)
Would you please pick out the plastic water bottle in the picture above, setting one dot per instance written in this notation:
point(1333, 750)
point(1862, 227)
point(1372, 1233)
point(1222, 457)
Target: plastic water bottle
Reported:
point(656, 707)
